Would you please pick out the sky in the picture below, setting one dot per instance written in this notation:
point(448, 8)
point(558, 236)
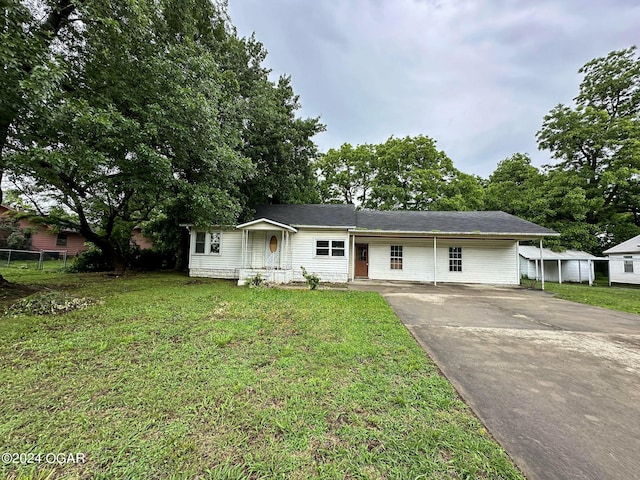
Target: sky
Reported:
point(477, 76)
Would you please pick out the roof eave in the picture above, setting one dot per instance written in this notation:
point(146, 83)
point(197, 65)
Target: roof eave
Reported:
point(438, 233)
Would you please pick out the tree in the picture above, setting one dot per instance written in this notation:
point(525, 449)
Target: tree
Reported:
point(597, 142)
point(143, 112)
point(145, 120)
point(345, 175)
point(25, 57)
point(411, 174)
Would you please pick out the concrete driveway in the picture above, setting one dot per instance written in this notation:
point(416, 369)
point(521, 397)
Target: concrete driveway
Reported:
point(557, 383)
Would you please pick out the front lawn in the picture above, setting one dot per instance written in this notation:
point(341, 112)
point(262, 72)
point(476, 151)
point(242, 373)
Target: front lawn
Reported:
point(171, 377)
point(625, 299)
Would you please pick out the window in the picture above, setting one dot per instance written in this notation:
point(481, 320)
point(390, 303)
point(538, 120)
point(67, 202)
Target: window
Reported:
point(396, 257)
point(322, 248)
point(200, 241)
point(214, 243)
point(330, 248)
point(455, 259)
point(628, 264)
point(337, 248)
point(212, 239)
point(61, 241)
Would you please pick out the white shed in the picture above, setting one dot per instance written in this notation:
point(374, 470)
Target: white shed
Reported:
point(567, 266)
point(624, 262)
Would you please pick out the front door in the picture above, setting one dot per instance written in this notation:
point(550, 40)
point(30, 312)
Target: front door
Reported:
point(273, 250)
point(362, 260)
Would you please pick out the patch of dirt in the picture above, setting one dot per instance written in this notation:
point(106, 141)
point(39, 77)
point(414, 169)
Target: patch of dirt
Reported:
point(10, 292)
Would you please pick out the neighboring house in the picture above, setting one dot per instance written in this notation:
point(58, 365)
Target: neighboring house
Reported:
point(139, 240)
point(340, 244)
point(624, 261)
point(567, 266)
point(43, 237)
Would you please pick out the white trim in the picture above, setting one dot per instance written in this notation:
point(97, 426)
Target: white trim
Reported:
point(474, 235)
point(330, 247)
point(266, 220)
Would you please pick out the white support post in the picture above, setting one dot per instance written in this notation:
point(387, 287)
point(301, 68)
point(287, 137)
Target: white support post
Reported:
point(590, 278)
point(559, 271)
point(281, 250)
point(541, 265)
point(580, 271)
point(435, 262)
point(353, 257)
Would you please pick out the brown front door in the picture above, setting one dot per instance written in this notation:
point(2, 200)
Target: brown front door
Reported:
point(362, 260)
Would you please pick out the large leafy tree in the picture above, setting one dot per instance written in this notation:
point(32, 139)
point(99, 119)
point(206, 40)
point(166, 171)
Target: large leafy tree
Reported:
point(143, 118)
point(345, 174)
point(597, 144)
point(137, 111)
point(25, 57)
point(412, 174)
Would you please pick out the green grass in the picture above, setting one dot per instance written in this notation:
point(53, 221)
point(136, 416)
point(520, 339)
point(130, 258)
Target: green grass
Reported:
point(625, 299)
point(172, 377)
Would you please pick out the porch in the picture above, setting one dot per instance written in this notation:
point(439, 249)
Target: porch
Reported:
point(266, 250)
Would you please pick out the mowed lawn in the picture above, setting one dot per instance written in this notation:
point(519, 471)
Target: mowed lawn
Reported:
point(172, 377)
point(625, 299)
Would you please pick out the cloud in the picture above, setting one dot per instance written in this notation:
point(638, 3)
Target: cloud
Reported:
point(477, 76)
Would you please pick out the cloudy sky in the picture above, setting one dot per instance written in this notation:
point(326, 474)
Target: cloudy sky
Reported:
point(478, 76)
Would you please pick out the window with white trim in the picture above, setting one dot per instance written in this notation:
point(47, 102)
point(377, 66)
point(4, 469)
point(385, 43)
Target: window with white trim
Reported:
point(396, 257)
point(201, 238)
point(208, 242)
point(214, 243)
point(330, 248)
point(628, 264)
point(455, 259)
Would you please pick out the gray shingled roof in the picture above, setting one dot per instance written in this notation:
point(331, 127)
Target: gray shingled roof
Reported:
point(448, 222)
point(400, 221)
point(309, 215)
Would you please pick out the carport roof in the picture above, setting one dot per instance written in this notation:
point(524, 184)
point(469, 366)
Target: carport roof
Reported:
point(475, 223)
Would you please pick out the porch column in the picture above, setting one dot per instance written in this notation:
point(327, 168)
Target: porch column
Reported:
point(243, 243)
point(580, 271)
point(559, 271)
point(281, 250)
point(541, 265)
point(435, 262)
point(353, 257)
point(590, 279)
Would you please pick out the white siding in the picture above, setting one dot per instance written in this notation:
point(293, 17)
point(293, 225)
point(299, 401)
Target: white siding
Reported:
point(572, 270)
point(483, 261)
point(329, 269)
point(224, 265)
point(617, 273)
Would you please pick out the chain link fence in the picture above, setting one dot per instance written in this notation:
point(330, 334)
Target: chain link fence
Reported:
point(36, 260)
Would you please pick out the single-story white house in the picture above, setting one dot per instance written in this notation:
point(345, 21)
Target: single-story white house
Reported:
point(567, 266)
point(624, 262)
point(340, 244)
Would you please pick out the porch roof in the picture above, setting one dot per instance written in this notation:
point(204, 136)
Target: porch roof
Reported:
point(266, 224)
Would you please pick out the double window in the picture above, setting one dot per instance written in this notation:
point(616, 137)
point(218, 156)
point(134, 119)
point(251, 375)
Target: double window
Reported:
point(208, 242)
point(628, 264)
point(455, 259)
point(396, 257)
point(330, 248)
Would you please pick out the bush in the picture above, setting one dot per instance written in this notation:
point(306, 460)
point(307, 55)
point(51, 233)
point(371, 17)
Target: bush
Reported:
point(312, 279)
point(92, 260)
point(255, 281)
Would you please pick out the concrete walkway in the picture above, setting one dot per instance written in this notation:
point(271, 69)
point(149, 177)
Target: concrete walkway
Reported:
point(557, 383)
